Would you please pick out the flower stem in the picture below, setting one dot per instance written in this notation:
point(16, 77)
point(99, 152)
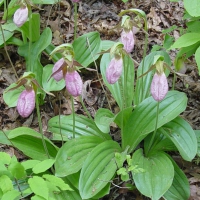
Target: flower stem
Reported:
point(59, 120)
point(144, 55)
point(5, 48)
point(85, 109)
point(174, 80)
point(73, 115)
point(40, 126)
point(154, 133)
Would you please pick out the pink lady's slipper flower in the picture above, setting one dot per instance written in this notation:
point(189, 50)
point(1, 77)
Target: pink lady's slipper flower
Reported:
point(58, 69)
point(20, 16)
point(75, 1)
point(128, 40)
point(26, 103)
point(73, 83)
point(114, 70)
point(159, 86)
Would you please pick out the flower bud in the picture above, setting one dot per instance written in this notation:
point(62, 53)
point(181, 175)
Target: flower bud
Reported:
point(26, 103)
point(159, 86)
point(114, 70)
point(20, 16)
point(73, 83)
point(128, 40)
point(58, 67)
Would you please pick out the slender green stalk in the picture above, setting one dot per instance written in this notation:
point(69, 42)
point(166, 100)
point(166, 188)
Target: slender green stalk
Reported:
point(75, 19)
point(156, 125)
point(24, 37)
point(59, 120)
point(30, 43)
point(144, 55)
point(8, 138)
point(5, 48)
point(174, 80)
point(73, 114)
point(40, 126)
point(84, 107)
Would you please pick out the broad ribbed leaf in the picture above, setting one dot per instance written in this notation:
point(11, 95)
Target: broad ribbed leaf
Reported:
point(30, 143)
point(161, 143)
point(98, 169)
point(157, 176)
point(180, 188)
point(182, 135)
point(84, 52)
point(73, 153)
point(83, 127)
point(142, 120)
point(142, 90)
point(122, 94)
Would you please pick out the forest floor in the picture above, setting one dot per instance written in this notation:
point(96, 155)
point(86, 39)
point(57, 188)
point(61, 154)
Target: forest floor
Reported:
point(102, 16)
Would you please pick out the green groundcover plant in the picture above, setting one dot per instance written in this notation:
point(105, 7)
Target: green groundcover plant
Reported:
point(89, 161)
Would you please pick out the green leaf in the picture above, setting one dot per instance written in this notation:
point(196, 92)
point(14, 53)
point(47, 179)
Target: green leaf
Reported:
point(186, 40)
point(13, 194)
point(57, 182)
point(157, 176)
point(106, 44)
point(32, 25)
point(43, 166)
point(192, 8)
point(73, 153)
point(39, 186)
point(5, 183)
point(17, 170)
point(142, 120)
point(98, 169)
point(182, 135)
point(11, 97)
point(197, 132)
point(45, 1)
point(5, 158)
point(83, 127)
point(7, 35)
point(85, 52)
point(168, 41)
point(3, 137)
point(29, 164)
point(123, 116)
point(161, 142)
point(36, 197)
point(30, 143)
point(33, 56)
point(51, 84)
point(122, 94)
point(180, 188)
point(103, 119)
point(142, 89)
point(197, 58)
